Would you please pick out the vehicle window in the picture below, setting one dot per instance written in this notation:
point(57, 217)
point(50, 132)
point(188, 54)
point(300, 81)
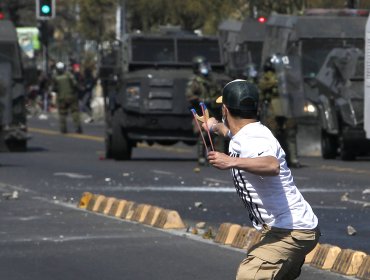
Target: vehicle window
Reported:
point(155, 50)
point(188, 49)
point(314, 52)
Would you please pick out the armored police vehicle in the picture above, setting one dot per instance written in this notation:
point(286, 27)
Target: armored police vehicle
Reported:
point(13, 127)
point(307, 40)
point(341, 104)
point(145, 92)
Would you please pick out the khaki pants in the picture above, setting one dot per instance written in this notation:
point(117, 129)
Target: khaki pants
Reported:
point(279, 255)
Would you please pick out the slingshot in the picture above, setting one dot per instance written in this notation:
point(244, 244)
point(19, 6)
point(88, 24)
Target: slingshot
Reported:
point(203, 119)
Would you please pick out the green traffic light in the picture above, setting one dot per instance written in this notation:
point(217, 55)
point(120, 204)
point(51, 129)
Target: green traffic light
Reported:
point(45, 9)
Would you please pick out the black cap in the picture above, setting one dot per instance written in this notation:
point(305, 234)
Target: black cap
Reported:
point(239, 95)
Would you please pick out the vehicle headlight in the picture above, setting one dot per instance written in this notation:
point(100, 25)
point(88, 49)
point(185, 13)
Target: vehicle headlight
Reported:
point(133, 96)
point(310, 109)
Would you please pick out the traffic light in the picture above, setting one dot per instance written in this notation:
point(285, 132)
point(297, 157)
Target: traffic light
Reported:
point(45, 9)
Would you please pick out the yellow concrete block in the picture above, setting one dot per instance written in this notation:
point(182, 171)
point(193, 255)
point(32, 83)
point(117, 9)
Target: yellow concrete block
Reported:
point(310, 255)
point(115, 207)
point(233, 231)
point(325, 256)
point(98, 201)
point(140, 213)
point(222, 233)
point(253, 237)
point(348, 262)
point(364, 269)
point(84, 201)
point(240, 238)
point(102, 205)
point(169, 219)
point(91, 203)
point(109, 204)
point(152, 215)
point(120, 207)
point(128, 210)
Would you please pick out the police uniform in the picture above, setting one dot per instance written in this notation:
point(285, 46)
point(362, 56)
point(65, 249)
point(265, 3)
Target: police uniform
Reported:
point(67, 99)
point(271, 114)
point(204, 89)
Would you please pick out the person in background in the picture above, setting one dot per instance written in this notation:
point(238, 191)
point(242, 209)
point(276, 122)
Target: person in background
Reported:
point(64, 85)
point(202, 87)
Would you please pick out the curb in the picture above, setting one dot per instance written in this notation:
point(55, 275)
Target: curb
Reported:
point(324, 256)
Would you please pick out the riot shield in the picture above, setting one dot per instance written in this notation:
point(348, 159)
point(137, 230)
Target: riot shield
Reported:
point(290, 85)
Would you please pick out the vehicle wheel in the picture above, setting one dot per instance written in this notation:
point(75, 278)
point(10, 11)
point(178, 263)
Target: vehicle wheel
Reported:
point(108, 146)
point(328, 145)
point(346, 153)
point(17, 146)
point(121, 147)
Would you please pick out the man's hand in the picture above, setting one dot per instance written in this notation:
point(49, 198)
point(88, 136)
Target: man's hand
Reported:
point(210, 122)
point(220, 160)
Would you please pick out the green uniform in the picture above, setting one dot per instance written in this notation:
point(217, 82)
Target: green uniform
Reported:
point(67, 98)
point(206, 90)
point(271, 114)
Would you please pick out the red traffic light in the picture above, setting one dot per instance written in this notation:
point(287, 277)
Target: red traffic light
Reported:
point(2, 16)
point(262, 19)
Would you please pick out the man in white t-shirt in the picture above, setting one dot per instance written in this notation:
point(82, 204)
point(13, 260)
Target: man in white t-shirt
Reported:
point(266, 186)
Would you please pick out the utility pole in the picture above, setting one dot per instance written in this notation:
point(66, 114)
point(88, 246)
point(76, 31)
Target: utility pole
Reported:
point(121, 20)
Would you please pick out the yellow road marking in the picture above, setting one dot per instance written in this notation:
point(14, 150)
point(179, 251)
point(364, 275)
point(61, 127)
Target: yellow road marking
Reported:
point(101, 139)
point(344, 169)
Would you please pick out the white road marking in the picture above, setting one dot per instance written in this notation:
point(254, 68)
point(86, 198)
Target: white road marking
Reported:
point(213, 189)
point(162, 172)
point(73, 175)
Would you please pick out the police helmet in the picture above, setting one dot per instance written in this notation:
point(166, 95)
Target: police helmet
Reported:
point(60, 67)
point(201, 66)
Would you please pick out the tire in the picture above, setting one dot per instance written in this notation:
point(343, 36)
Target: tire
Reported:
point(328, 145)
point(17, 146)
point(121, 147)
point(346, 153)
point(108, 146)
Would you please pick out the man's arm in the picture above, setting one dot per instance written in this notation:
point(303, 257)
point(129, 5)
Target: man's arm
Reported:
point(216, 127)
point(264, 166)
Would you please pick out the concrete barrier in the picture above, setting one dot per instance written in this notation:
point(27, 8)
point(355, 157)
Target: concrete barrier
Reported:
point(253, 237)
point(99, 199)
point(117, 207)
point(106, 202)
point(140, 213)
point(325, 256)
point(91, 203)
point(240, 237)
point(128, 210)
point(348, 262)
point(364, 269)
point(152, 215)
point(311, 254)
point(85, 199)
point(169, 219)
point(227, 233)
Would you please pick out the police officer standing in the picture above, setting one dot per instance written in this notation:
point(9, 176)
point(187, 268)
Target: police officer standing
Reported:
point(202, 87)
point(67, 98)
point(271, 114)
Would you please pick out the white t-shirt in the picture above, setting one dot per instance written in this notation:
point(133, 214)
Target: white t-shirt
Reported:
point(271, 200)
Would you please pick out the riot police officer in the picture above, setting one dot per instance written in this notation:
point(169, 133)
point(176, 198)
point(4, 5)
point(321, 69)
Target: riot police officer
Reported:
point(67, 98)
point(283, 127)
point(202, 87)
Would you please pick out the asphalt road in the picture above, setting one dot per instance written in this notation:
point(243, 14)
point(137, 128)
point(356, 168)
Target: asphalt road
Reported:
point(44, 236)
